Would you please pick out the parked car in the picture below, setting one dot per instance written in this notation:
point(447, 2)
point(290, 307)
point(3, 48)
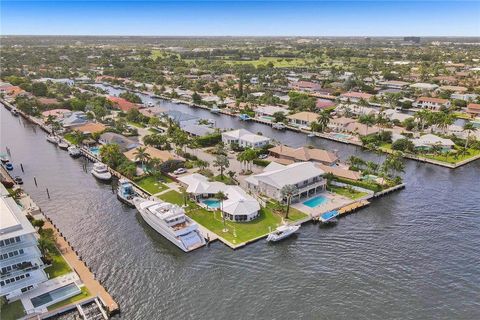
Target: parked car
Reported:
point(180, 171)
point(18, 180)
point(9, 166)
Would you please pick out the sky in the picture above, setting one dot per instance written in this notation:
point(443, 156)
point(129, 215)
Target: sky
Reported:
point(241, 18)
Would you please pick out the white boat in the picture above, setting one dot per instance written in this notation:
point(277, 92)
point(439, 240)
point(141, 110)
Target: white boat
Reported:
point(74, 151)
point(4, 158)
point(150, 104)
point(282, 232)
point(171, 222)
point(215, 110)
point(311, 135)
point(100, 171)
point(278, 126)
point(126, 193)
point(15, 112)
point(53, 139)
point(62, 144)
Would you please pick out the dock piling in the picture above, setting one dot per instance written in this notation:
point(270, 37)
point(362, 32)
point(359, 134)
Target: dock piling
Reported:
point(21, 167)
point(35, 180)
point(48, 194)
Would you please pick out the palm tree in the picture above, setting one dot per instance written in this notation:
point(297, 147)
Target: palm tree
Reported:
point(221, 197)
point(287, 192)
point(222, 162)
point(469, 127)
point(322, 122)
point(393, 164)
point(368, 120)
point(79, 137)
point(422, 116)
point(142, 155)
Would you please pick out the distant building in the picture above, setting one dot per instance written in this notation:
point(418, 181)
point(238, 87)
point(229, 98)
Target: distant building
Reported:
point(355, 96)
point(245, 139)
point(431, 103)
point(473, 109)
point(20, 258)
point(412, 39)
point(302, 119)
point(303, 154)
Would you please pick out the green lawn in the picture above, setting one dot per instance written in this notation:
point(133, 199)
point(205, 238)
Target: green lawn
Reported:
point(152, 184)
point(226, 179)
point(450, 158)
point(172, 197)
point(59, 266)
point(70, 138)
point(12, 311)
point(136, 124)
point(82, 295)
point(343, 191)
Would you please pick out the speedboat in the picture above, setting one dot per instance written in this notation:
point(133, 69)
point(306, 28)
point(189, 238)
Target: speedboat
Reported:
point(18, 180)
point(244, 117)
point(278, 126)
point(15, 112)
point(126, 193)
point(329, 217)
point(215, 110)
point(4, 158)
point(9, 166)
point(52, 138)
point(74, 152)
point(62, 144)
point(282, 232)
point(311, 135)
point(171, 222)
point(150, 104)
point(100, 171)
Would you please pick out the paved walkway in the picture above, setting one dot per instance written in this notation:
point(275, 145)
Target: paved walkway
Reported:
point(93, 286)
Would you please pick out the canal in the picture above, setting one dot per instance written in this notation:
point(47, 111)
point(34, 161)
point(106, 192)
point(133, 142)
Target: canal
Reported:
point(409, 255)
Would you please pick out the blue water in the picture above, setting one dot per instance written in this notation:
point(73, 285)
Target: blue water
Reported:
point(66, 291)
point(212, 203)
point(316, 201)
point(95, 150)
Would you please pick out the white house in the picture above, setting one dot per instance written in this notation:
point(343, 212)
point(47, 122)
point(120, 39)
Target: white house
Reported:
point(20, 258)
point(269, 111)
point(245, 139)
point(429, 140)
point(431, 103)
point(305, 176)
point(239, 206)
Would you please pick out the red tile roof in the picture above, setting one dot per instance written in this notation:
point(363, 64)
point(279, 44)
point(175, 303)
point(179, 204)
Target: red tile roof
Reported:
point(122, 104)
point(324, 103)
point(432, 100)
point(358, 95)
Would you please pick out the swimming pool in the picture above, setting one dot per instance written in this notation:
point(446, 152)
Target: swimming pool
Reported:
point(212, 203)
point(95, 150)
point(58, 294)
point(316, 201)
point(341, 136)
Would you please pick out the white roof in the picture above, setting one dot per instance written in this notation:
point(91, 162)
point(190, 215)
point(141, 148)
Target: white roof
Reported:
point(199, 184)
point(12, 220)
point(287, 175)
point(270, 110)
point(421, 85)
point(431, 139)
point(245, 135)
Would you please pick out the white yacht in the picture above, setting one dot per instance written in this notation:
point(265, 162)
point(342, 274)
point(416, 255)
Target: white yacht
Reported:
point(52, 138)
point(100, 171)
point(74, 152)
point(282, 232)
point(171, 222)
point(62, 144)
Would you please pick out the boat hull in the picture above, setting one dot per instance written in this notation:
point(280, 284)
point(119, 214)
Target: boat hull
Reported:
point(128, 202)
point(102, 176)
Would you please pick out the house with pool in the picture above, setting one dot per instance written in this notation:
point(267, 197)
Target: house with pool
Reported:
point(306, 176)
point(238, 207)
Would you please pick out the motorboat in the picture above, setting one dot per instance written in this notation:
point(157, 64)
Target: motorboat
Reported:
point(9, 166)
point(100, 171)
point(244, 117)
point(329, 217)
point(279, 126)
point(215, 110)
point(15, 112)
point(311, 135)
point(126, 193)
point(4, 158)
point(18, 180)
point(282, 232)
point(62, 144)
point(74, 152)
point(53, 139)
point(150, 104)
point(171, 222)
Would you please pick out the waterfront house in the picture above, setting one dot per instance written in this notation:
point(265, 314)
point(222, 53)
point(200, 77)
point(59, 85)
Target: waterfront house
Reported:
point(340, 124)
point(426, 142)
point(361, 129)
point(340, 172)
point(123, 104)
point(22, 268)
point(356, 109)
point(392, 114)
point(154, 153)
point(303, 154)
point(198, 130)
point(269, 111)
point(56, 113)
point(424, 86)
point(239, 206)
point(75, 119)
point(355, 96)
point(302, 119)
point(153, 111)
point(431, 103)
point(393, 84)
point(123, 142)
point(305, 176)
point(91, 127)
point(473, 109)
point(244, 139)
point(181, 118)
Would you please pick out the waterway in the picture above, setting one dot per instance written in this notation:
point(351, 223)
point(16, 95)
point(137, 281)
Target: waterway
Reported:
point(410, 255)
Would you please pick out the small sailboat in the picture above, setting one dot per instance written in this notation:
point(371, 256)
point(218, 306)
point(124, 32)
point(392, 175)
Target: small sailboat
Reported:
point(74, 152)
point(282, 232)
point(62, 144)
point(52, 138)
point(100, 171)
point(126, 193)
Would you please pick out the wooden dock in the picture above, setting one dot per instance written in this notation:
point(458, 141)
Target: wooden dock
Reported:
point(80, 267)
point(353, 207)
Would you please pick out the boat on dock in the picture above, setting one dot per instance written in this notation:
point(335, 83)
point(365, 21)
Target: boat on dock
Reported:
point(244, 117)
point(282, 232)
point(74, 152)
point(100, 171)
point(279, 126)
point(126, 193)
point(52, 139)
point(62, 144)
point(171, 222)
point(329, 217)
